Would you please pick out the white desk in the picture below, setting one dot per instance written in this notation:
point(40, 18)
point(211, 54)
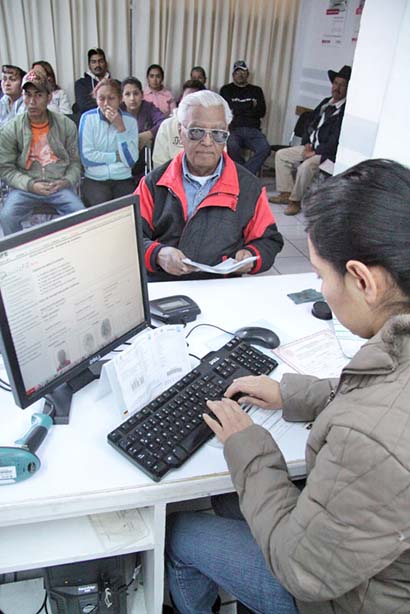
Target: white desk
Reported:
point(44, 519)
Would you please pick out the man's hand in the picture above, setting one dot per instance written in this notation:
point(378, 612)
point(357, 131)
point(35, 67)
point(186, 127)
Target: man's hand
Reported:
point(232, 419)
point(170, 259)
point(241, 255)
point(42, 188)
point(144, 139)
point(259, 390)
point(60, 184)
point(308, 151)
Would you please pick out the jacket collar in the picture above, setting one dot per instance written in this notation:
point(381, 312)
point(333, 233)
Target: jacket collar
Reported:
point(227, 183)
point(382, 353)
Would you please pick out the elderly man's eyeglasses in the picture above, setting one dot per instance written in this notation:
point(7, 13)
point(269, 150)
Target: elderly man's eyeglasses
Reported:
point(197, 134)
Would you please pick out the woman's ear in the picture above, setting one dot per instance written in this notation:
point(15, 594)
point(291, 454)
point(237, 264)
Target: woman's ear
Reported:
point(368, 281)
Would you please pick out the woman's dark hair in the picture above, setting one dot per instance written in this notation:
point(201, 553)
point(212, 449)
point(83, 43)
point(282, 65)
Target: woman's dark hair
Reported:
point(7, 67)
point(112, 83)
point(49, 72)
point(158, 67)
point(363, 214)
point(200, 69)
point(131, 81)
point(193, 84)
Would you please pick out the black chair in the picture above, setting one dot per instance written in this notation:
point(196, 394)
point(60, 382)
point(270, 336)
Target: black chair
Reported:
point(298, 131)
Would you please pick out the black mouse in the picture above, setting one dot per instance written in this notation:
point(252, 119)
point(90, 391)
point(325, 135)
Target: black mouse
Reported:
point(258, 336)
point(322, 310)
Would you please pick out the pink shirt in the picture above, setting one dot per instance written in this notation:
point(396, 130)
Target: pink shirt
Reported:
point(163, 99)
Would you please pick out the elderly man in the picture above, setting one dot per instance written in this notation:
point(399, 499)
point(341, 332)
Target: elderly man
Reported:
point(39, 157)
point(203, 206)
point(11, 103)
point(319, 143)
point(168, 143)
point(247, 103)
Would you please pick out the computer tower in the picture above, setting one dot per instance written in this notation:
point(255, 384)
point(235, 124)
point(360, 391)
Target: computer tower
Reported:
point(89, 587)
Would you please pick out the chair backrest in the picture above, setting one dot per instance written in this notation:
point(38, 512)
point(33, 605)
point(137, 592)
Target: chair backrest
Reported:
point(302, 123)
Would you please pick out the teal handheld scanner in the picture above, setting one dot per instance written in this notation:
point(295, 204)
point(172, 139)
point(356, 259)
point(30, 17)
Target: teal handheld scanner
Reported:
point(20, 462)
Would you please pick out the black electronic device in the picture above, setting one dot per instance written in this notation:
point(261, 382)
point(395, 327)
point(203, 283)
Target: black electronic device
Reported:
point(71, 290)
point(321, 310)
point(178, 309)
point(257, 335)
point(90, 586)
point(165, 433)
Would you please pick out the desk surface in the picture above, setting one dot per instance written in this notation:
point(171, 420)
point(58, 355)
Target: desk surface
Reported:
point(82, 474)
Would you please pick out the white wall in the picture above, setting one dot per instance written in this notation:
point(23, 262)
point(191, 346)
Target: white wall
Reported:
point(378, 101)
point(377, 110)
point(312, 57)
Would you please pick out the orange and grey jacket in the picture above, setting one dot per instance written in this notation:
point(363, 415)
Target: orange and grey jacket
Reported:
point(234, 215)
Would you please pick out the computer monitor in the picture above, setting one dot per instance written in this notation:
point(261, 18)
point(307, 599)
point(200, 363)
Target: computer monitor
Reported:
point(71, 290)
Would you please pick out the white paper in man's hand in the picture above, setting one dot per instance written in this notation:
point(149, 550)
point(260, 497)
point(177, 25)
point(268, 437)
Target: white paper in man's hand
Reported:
point(223, 268)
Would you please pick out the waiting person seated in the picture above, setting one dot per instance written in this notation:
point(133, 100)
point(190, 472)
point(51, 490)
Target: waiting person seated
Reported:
point(38, 158)
point(319, 143)
point(201, 205)
point(168, 143)
point(155, 91)
point(247, 104)
point(148, 116)
point(198, 74)
point(108, 141)
point(59, 102)
point(341, 545)
point(84, 87)
point(11, 102)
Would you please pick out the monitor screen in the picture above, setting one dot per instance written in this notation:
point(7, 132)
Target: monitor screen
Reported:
point(70, 291)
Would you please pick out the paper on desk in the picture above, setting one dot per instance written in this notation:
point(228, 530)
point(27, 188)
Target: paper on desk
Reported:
point(223, 268)
point(118, 529)
point(318, 354)
point(155, 360)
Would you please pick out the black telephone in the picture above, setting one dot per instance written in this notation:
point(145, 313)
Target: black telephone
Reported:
point(178, 309)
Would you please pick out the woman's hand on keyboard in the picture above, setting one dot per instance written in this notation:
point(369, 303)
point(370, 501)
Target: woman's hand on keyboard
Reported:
point(258, 390)
point(230, 418)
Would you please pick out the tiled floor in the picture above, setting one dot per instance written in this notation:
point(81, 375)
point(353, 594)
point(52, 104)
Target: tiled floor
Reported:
point(294, 256)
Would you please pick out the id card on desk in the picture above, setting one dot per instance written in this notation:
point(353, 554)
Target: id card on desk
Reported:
point(155, 360)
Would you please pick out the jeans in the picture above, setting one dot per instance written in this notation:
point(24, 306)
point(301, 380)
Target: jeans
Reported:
point(204, 551)
point(248, 138)
point(19, 205)
point(96, 192)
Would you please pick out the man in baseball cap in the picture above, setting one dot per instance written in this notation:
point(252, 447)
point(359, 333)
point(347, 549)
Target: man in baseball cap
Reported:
point(37, 80)
point(39, 157)
point(247, 104)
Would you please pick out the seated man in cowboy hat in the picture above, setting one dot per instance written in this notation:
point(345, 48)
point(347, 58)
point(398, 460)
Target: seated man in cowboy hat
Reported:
point(319, 143)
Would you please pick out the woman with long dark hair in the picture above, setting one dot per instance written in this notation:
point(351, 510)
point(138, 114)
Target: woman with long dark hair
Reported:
point(342, 544)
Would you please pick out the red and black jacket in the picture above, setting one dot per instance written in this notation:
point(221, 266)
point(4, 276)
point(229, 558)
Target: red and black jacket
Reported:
point(234, 215)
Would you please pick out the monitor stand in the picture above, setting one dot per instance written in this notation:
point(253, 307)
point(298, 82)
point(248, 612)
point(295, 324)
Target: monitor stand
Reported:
point(57, 403)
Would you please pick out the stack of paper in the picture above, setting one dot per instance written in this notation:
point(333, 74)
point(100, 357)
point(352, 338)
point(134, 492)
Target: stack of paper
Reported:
point(223, 268)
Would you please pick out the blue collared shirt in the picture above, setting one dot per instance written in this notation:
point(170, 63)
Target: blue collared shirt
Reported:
point(194, 191)
point(8, 112)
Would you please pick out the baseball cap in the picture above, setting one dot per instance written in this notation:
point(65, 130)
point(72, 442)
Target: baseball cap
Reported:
point(40, 82)
point(240, 65)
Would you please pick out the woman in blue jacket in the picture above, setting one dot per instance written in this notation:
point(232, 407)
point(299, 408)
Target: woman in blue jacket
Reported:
point(108, 141)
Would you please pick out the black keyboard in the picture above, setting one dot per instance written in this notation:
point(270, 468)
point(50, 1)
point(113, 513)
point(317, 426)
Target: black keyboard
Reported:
point(167, 431)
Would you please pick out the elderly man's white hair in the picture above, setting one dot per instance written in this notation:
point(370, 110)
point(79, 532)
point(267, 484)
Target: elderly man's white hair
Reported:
point(203, 98)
